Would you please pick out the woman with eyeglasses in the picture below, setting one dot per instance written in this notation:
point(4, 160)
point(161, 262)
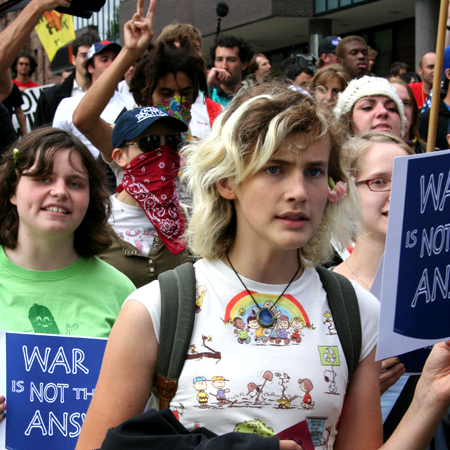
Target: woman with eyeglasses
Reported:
point(328, 83)
point(370, 160)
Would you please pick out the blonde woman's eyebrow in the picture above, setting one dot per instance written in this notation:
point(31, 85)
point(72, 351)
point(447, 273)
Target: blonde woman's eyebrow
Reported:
point(281, 162)
point(286, 162)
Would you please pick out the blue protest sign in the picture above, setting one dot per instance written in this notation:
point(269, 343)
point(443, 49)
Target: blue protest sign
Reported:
point(50, 381)
point(416, 271)
point(423, 282)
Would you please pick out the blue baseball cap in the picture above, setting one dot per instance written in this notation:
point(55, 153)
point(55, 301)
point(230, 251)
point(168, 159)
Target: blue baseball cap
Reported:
point(100, 46)
point(133, 123)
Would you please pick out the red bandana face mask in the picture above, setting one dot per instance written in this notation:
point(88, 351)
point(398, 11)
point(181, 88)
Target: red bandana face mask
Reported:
point(151, 179)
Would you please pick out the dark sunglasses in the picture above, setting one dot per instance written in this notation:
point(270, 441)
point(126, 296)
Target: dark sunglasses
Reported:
point(153, 142)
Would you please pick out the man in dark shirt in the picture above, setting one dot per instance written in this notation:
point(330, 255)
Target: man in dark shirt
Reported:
point(74, 84)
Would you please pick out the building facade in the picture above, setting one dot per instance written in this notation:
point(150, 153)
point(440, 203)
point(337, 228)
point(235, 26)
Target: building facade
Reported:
point(400, 30)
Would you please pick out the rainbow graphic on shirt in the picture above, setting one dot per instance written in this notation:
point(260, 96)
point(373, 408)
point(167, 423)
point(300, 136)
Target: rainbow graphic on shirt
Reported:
point(242, 305)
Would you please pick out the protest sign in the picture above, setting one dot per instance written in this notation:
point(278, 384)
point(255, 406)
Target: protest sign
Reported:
point(55, 30)
point(30, 100)
point(48, 382)
point(416, 270)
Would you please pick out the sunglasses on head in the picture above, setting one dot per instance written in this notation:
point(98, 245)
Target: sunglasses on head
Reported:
point(153, 142)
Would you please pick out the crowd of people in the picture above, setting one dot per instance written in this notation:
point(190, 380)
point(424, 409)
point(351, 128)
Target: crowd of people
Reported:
point(143, 159)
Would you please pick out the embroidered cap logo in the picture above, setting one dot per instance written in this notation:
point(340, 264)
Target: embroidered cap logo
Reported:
point(146, 113)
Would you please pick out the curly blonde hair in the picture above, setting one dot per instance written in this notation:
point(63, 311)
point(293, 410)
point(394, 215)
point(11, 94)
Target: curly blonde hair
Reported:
point(244, 137)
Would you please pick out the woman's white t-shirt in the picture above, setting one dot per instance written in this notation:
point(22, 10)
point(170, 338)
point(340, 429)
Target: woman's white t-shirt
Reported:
point(289, 380)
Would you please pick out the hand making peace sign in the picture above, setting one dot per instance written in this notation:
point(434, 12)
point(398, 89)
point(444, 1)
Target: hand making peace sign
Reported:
point(138, 31)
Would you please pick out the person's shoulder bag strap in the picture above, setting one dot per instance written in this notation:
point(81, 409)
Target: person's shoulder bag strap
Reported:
point(177, 321)
point(345, 310)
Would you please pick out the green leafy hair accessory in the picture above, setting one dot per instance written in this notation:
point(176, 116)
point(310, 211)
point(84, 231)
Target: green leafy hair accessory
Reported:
point(15, 156)
point(331, 183)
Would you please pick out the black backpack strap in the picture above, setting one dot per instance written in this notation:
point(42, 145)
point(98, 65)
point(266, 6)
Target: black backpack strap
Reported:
point(345, 310)
point(177, 321)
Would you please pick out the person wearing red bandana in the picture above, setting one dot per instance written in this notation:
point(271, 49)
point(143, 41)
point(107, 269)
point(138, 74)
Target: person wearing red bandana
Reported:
point(147, 220)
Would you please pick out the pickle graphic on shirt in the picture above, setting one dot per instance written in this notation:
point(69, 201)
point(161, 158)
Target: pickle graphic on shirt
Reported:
point(42, 320)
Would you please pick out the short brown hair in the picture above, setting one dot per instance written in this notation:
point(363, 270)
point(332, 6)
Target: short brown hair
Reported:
point(371, 52)
point(396, 67)
point(253, 64)
point(340, 49)
point(38, 149)
point(183, 33)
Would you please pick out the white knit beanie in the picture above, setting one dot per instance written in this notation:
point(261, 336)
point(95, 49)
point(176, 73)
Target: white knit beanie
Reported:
point(368, 87)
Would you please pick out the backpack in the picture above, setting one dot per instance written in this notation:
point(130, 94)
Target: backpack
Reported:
point(178, 288)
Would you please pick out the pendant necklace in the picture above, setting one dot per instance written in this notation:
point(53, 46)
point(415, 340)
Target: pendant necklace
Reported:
point(265, 316)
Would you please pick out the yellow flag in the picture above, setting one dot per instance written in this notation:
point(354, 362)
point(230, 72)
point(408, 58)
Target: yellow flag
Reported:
point(55, 30)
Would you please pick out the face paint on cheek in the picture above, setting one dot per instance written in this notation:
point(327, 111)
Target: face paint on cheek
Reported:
point(179, 107)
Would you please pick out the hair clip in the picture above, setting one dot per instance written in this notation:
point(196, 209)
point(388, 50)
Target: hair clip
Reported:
point(15, 156)
point(336, 191)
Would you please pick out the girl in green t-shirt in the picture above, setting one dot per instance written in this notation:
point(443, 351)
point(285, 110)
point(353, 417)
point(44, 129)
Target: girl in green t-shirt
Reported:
point(52, 205)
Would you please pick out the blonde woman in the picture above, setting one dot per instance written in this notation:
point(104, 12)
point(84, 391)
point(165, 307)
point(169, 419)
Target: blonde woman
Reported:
point(262, 219)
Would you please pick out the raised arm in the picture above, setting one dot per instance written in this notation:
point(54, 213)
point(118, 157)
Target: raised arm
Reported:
point(138, 34)
point(13, 38)
point(430, 403)
point(126, 377)
point(360, 422)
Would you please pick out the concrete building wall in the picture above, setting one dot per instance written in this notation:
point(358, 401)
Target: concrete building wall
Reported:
point(202, 13)
point(427, 19)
